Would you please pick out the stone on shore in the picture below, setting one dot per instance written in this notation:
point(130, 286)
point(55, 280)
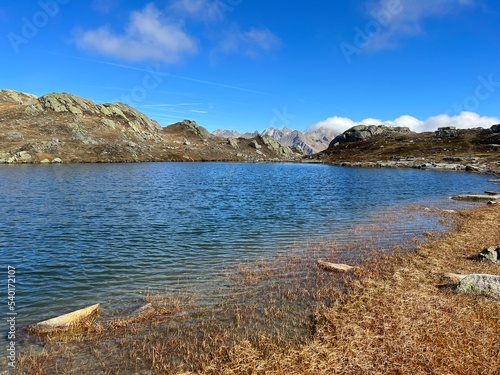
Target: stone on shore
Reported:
point(333, 267)
point(480, 284)
point(476, 197)
point(491, 253)
point(66, 322)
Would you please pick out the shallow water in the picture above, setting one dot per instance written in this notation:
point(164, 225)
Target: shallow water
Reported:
point(109, 233)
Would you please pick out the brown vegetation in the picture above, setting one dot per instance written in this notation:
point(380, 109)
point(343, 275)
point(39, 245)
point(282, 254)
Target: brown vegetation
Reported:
point(71, 129)
point(471, 146)
point(393, 314)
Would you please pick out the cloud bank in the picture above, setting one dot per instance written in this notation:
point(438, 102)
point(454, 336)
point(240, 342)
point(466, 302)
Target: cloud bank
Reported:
point(165, 35)
point(464, 120)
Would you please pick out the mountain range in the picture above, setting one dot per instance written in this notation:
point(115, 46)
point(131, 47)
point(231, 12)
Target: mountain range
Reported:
point(308, 143)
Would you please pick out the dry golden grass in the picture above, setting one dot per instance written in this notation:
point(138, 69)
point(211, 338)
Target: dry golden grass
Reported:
point(399, 317)
point(395, 314)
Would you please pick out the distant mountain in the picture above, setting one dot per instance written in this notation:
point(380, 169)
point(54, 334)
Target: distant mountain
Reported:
point(234, 134)
point(308, 143)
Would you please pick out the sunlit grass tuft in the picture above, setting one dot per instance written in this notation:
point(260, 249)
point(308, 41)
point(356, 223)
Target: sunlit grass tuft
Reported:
point(394, 313)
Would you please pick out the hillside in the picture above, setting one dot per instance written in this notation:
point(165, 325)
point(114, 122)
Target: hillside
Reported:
point(65, 128)
point(448, 148)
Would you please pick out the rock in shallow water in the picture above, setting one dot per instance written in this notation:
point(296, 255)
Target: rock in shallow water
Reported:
point(67, 321)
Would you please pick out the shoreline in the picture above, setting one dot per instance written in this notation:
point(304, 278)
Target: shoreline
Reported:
point(490, 169)
point(386, 273)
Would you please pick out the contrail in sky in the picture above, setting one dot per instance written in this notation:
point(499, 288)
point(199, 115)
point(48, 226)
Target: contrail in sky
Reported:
point(163, 74)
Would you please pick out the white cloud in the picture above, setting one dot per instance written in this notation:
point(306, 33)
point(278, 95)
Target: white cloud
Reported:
point(151, 34)
point(464, 120)
point(397, 19)
point(205, 10)
point(148, 36)
point(250, 43)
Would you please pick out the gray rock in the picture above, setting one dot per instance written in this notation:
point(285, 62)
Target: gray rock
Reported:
point(109, 123)
point(491, 253)
point(447, 132)
point(333, 267)
point(56, 161)
point(274, 145)
point(453, 159)
point(471, 168)
point(17, 97)
point(232, 142)
point(255, 144)
point(23, 156)
point(476, 197)
point(67, 321)
point(362, 132)
point(480, 284)
point(14, 136)
point(197, 129)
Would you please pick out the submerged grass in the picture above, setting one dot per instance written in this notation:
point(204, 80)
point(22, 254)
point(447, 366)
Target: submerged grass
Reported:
point(395, 313)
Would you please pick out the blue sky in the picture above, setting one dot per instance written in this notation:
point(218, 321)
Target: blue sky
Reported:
point(250, 64)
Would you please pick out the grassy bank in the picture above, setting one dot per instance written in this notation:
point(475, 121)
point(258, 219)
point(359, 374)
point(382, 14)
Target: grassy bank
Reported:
point(395, 313)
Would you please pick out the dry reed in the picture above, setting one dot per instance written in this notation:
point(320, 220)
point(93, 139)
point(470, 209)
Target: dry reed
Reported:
point(395, 314)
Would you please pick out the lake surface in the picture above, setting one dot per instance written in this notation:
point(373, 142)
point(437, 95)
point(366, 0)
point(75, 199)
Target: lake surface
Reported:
point(109, 233)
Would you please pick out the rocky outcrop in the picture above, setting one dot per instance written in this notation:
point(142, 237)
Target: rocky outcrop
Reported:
point(447, 132)
point(495, 129)
point(275, 145)
point(363, 132)
point(192, 126)
point(11, 96)
point(62, 102)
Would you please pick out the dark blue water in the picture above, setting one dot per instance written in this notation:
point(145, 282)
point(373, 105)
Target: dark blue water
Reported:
point(81, 234)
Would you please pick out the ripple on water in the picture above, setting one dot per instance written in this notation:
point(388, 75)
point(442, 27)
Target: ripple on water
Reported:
point(80, 234)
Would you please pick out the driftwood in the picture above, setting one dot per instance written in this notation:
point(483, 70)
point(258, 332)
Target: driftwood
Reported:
point(66, 322)
point(333, 267)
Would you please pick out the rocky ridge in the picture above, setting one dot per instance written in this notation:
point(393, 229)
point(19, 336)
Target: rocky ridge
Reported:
point(472, 150)
point(60, 127)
